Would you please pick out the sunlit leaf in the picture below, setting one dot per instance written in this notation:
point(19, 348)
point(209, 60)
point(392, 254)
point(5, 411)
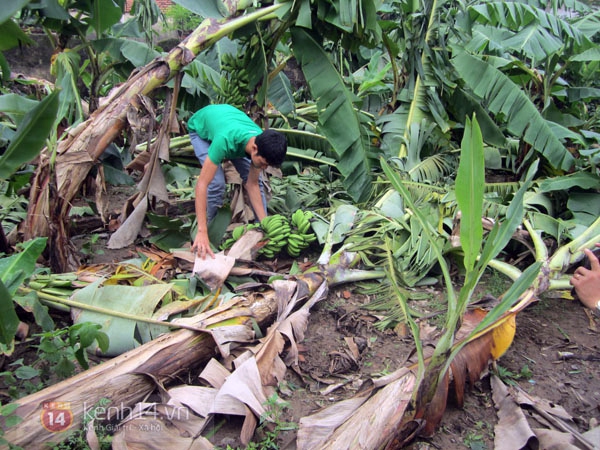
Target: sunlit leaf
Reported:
point(123, 334)
point(580, 179)
point(469, 192)
point(15, 106)
point(104, 15)
point(206, 8)
point(17, 267)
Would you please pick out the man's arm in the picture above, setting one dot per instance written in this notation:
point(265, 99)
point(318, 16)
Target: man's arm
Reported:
point(254, 194)
point(201, 245)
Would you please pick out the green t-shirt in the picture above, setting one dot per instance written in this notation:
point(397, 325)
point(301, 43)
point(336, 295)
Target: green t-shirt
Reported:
point(227, 129)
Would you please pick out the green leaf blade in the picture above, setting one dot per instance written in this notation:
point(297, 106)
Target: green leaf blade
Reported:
point(19, 266)
point(506, 98)
point(9, 321)
point(338, 119)
point(31, 135)
point(470, 182)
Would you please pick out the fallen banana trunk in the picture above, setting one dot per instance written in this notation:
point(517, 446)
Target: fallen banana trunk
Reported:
point(128, 378)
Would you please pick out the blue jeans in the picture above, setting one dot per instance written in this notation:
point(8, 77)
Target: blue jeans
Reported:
point(216, 188)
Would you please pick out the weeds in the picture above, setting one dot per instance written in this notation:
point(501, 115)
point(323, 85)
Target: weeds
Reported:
point(271, 426)
point(474, 441)
point(179, 19)
point(9, 418)
point(60, 347)
point(56, 352)
point(476, 438)
point(91, 248)
point(21, 380)
point(497, 284)
point(512, 378)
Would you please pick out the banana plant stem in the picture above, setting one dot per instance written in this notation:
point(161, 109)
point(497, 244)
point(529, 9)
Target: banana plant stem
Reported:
point(45, 297)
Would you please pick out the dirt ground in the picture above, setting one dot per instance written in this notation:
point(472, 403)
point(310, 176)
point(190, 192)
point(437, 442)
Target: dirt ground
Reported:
point(555, 356)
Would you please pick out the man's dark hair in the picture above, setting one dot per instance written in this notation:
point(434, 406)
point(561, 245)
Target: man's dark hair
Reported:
point(271, 145)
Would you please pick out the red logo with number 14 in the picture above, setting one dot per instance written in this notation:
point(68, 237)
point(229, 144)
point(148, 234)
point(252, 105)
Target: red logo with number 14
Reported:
point(56, 417)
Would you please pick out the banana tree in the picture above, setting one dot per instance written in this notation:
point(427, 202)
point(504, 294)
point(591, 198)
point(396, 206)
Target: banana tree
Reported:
point(536, 40)
point(432, 88)
point(12, 36)
point(504, 61)
point(24, 146)
point(81, 147)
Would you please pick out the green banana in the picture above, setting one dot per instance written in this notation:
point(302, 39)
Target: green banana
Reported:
point(296, 238)
point(277, 239)
point(310, 237)
point(293, 253)
point(297, 217)
point(283, 230)
point(238, 232)
point(228, 243)
point(293, 234)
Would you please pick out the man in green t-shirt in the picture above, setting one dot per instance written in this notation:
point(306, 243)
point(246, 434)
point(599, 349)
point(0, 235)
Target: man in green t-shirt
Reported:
point(223, 132)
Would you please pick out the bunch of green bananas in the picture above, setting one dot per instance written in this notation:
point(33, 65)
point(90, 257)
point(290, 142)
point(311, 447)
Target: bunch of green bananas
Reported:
point(279, 234)
point(233, 87)
point(277, 230)
point(300, 237)
point(237, 233)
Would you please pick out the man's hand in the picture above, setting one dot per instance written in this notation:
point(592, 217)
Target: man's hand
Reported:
point(587, 281)
point(201, 246)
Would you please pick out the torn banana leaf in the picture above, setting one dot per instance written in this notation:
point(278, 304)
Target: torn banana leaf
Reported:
point(124, 334)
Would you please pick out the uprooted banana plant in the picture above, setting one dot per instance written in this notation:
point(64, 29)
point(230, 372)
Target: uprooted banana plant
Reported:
point(59, 177)
point(394, 410)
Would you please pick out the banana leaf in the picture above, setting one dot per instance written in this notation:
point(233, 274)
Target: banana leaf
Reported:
point(123, 334)
point(13, 271)
point(9, 321)
point(338, 120)
point(16, 268)
point(504, 97)
point(536, 33)
point(11, 9)
point(30, 136)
